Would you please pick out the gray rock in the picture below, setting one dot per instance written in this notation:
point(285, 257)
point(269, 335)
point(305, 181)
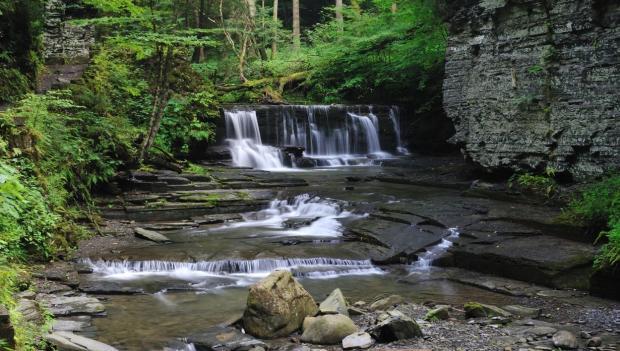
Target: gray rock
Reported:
point(67, 341)
point(389, 314)
point(396, 328)
point(277, 306)
point(541, 331)
point(522, 311)
point(71, 325)
point(72, 305)
point(594, 342)
point(225, 339)
point(358, 340)
point(329, 329)
point(387, 302)
point(335, 303)
point(151, 235)
point(565, 340)
point(29, 310)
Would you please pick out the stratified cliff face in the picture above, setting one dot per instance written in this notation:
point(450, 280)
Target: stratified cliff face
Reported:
point(534, 84)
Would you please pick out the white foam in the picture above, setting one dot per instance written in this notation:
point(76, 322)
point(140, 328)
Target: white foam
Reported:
point(425, 261)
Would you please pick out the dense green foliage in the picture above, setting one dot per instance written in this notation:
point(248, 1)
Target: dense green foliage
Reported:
point(20, 29)
point(599, 207)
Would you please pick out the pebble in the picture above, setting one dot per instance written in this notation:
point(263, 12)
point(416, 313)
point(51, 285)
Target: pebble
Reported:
point(594, 342)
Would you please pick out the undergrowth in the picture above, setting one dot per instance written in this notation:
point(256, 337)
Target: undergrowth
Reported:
point(598, 207)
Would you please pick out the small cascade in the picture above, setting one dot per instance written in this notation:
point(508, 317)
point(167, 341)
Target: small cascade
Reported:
point(315, 216)
point(395, 118)
point(244, 141)
point(317, 267)
point(425, 261)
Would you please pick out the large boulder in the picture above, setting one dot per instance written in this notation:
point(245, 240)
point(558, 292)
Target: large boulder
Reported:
point(328, 329)
point(277, 306)
point(396, 328)
point(151, 235)
point(335, 303)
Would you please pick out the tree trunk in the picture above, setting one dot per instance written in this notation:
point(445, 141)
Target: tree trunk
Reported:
point(296, 26)
point(394, 7)
point(274, 42)
point(162, 95)
point(339, 16)
point(201, 21)
point(251, 7)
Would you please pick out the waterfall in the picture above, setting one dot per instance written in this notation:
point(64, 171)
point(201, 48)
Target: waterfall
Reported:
point(314, 268)
point(395, 118)
point(330, 135)
point(425, 261)
point(244, 141)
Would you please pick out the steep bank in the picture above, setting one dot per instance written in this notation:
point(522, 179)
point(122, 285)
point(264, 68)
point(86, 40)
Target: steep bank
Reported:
point(533, 84)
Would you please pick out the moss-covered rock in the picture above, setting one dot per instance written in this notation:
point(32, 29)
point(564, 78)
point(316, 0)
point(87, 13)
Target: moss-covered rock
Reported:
point(438, 313)
point(277, 306)
point(479, 310)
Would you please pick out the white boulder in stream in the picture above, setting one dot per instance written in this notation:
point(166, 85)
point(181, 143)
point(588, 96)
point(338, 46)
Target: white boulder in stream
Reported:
point(329, 329)
point(277, 306)
point(335, 303)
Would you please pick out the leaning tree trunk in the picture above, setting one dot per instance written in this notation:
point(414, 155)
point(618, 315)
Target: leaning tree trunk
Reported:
point(162, 96)
point(274, 42)
point(296, 26)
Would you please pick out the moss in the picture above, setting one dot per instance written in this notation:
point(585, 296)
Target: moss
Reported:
point(13, 85)
point(437, 314)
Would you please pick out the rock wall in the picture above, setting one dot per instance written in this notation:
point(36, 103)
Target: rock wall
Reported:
point(65, 42)
point(531, 84)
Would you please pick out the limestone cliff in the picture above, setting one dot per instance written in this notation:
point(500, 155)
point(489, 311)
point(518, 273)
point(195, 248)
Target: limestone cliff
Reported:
point(531, 84)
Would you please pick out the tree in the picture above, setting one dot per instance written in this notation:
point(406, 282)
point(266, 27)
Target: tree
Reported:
point(339, 16)
point(394, 8)
point(274, 43)
point(296, 26)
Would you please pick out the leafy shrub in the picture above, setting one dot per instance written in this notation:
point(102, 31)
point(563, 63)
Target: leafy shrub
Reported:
point(540, 184)
point(599, 207)
point(13, 85)
point(26, 222)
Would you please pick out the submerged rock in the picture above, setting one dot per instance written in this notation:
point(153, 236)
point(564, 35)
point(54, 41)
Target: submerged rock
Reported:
point(225, 339)
point(565, 340)
point(396, 328)
point(335, 303)
point(387, 302)
point(277, 306)
point(479, 310)
point(151, 235)
point(328, 329)
point(359, 340)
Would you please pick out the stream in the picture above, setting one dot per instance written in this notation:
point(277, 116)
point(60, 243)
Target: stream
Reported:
point(201, 278)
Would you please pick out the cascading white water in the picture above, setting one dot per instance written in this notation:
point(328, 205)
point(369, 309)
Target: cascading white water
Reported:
point(314, 268)
point(424, 262)
point(395, 118)
point(244, 141)
point(334, 136)
point(322, 217)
